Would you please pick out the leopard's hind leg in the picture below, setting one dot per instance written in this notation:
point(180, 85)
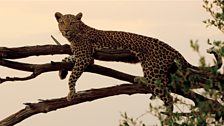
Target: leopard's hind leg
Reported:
point(156, 73)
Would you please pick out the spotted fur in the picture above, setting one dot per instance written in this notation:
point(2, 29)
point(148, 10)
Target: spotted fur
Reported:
point(155, 56)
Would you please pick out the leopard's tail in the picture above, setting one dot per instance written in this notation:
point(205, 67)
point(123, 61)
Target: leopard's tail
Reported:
point(182, 62)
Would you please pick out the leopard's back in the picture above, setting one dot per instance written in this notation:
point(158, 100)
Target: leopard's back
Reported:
point(133, 42)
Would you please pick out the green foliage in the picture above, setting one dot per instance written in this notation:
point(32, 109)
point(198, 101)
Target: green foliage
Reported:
point(216, 10)
point(128, 121)
point(194, 45)
point(218, 45)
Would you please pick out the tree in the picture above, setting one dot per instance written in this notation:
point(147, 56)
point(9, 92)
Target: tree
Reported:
point(182, 82)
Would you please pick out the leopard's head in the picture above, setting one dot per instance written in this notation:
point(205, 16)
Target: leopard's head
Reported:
point(69, 24)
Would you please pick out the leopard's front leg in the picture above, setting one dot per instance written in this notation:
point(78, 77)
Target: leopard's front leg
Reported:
point(81, 63)
point(63, 72)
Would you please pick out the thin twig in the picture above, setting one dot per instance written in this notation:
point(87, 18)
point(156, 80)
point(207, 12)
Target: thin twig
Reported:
point(55, 40)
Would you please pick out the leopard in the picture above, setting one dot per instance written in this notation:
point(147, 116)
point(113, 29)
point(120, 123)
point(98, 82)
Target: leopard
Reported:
point(155, 56)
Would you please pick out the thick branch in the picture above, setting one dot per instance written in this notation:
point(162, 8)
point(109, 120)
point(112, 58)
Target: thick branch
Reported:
point(38, 69)
point(26, 51)
point(90, 95)
point(23, 52)
point(84, 96)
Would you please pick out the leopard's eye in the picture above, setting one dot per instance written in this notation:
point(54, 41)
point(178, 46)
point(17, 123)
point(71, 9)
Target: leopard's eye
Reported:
point(71, 23)
point(61, 22)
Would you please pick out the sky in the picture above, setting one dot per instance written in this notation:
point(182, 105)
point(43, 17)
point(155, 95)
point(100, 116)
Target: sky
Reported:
point(29, 23)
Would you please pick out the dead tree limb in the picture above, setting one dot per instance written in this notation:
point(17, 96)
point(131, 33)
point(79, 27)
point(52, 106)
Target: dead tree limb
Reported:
point(84, 96)
point(38, 69)
point(23, 52)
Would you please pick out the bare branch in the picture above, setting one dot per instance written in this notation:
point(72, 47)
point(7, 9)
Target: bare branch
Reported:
point(45, 106)
point(55, 40)
point(105, 54)
point(38, 69)
point(18, 78)
point(23, 52)
point(83, 96)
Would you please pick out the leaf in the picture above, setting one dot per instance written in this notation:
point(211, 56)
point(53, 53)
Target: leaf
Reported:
point(202, 61)
point(222, 51)
point(217, 43)
point(194, 45)
point(205, 21)
point(209, 42)
point(206, 2)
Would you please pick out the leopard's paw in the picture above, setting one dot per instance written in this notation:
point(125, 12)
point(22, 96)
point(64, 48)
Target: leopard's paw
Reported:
point(71, 95)
point(63, 73)
point(140, 80)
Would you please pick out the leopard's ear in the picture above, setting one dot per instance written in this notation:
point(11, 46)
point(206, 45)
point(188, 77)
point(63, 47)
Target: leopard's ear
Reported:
point(79, 16)
point(58, 15)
